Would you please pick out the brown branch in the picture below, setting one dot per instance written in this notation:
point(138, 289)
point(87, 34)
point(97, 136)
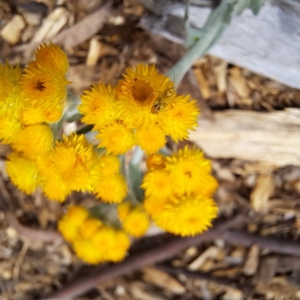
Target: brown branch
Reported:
point(32, 233)
point(165, 251)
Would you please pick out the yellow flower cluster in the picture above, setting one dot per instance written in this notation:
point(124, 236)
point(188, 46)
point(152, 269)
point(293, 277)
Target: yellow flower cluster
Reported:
point(73, 165)
point(178, 192)
point(141, 110)
point(135, 220)
point(29, 101)
point(92, 240)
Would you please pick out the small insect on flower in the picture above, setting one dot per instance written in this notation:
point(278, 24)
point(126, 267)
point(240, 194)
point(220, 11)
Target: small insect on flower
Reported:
point(163, 100)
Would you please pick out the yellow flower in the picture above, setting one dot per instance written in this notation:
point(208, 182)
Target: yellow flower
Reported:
point(122, 244)
point(86, 250)
point(111, 189)
point(22, 172)
point(77, 215)
point(45, 91)
point(10, 96)
point(117, 138)
point(10, 102)
point(52, 184)
point(124, 210)
point(9, 128)
point(187, 216)
point(150, 138)
point(147, 101)
point(155, 205)
point(34, 141)
point(52, 58)
point(135, 221)
point(112, 244)
point(137, 93)
point(109, 164)
point(189, 172)
point(47, 113)
point(98, 106)
point(181, 117)
point(72, 161)
point(89, 227)
point(54, 188)
point(158, 184)
point(69, 225)
point(68, 231)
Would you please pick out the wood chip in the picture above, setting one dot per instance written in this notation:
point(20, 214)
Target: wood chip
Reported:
point(232, 294)
point(52, 24)
point(229, 273)
point(163, 280)
point(238, 81)
point(220, 71)
point(12, 30)
point(94, 52)
point(251, 264)
point(32, 18)
point(261, 193)
point(203, 83)
point(266, 271)
point(211, 252)
point(138, 291)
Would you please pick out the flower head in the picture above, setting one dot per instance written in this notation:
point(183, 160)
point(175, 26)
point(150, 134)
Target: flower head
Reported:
point(137, 93)
point(10, 95)
point(54, 188)
point(187, 215)
point(158, 183)
point(135, 221)
point(23, 173)
point(52, 58)
point(73, 160)
point(89, 227)
point(148, 102)
point(150, 138)
point(98, 106)
point(34, 141)
point(69, 163)
point(86, 250)
point(116, 137)
point(69, 225)
point(109, 165)
point(189, 172)
point(44, 91)
point(111, 189)
point(11, 103)
point(44, 84)
point(111, 244)
point(10, 128)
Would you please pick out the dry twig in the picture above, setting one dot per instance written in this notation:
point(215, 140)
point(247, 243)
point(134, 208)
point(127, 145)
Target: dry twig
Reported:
point(30, 233)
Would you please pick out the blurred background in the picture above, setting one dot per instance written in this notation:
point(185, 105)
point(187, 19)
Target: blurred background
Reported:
point(249, 128)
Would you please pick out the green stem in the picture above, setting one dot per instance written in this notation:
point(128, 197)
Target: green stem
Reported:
point(209, 34)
